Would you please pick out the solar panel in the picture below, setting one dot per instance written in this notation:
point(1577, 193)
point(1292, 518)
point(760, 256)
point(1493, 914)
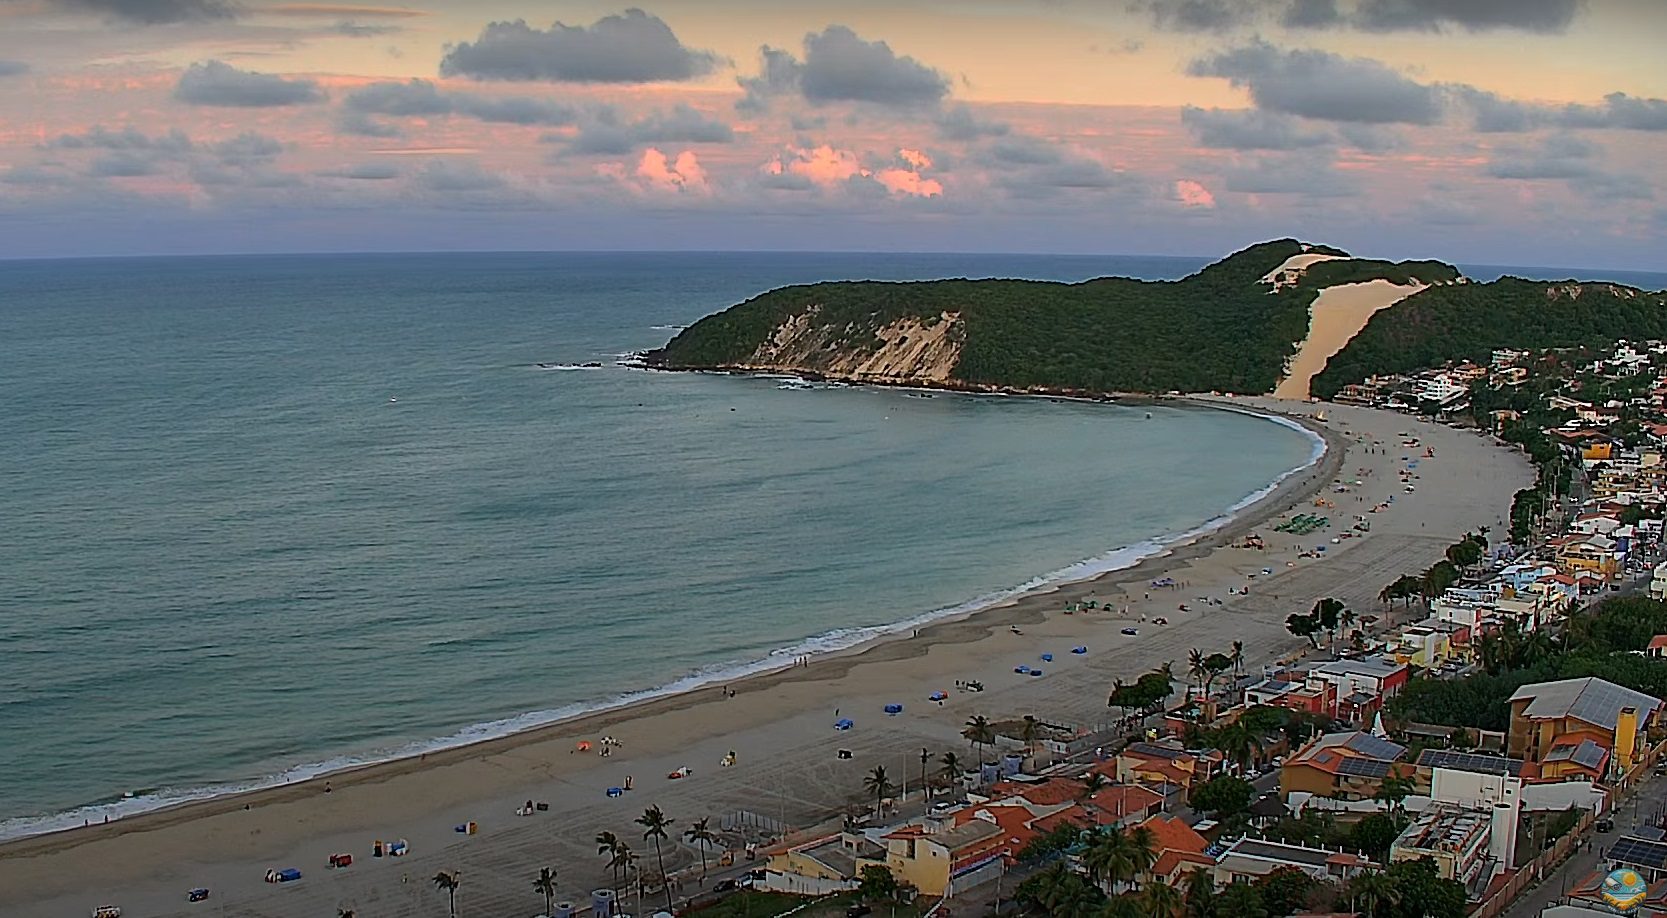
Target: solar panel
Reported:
point(1367, 744)
point(1363, 768)
point(1639, 852)
point(1589, 754)
point(1470, 761)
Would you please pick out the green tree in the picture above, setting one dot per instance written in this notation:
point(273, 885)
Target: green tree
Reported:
point(1374, 834)
point(1303, 626)
point(655, 824)
point(1241, 900)
point(877, 884)
point(1285, 891)
point(1223, 796)
point(1162, 900)
point(1373, 894)
point(1201, 895)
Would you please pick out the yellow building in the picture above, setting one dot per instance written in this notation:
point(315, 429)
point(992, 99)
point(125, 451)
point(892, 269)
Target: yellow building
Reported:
point(929, 860)
point(1593, 555)
point(819, 867)
point(1551, 716)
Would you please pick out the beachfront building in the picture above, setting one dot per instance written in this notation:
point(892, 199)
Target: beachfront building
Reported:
point(1246, 860)
point(931, 861)
point(1431, 643)
point(820, 866)
point(1362, 686)
point(1294, 692)
point(1343, 766)
point(1549, 716)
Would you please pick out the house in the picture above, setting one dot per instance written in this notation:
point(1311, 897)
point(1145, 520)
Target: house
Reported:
point(1658, 644)
point(1248, 859)
point(1575, 758)
point(1166, 763)
point(1546, 716)
point(1347, 766)
point(1362, 685)
point(820, 866)
point(1284, 691)
point(1179, 850)
point(1467, 845)
point(1593, 555)
point(1658, 582)
point(932, 861)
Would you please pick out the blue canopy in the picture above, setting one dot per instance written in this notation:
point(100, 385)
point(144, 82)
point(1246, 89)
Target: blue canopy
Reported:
point(1047, 658)
point(844, 723)
point(894, 708)
point(1079, 650)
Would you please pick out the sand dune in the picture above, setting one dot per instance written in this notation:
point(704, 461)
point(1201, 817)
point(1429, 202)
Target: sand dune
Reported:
point(1337, 315)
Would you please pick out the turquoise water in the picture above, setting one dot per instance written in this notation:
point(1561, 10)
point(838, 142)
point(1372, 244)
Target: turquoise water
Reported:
point(264, 517)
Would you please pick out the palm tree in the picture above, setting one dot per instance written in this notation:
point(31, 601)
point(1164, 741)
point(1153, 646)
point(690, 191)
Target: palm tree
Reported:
point(1373, 894)
point(448, 883)
point(979, 732)
point(879, 785)
point(1107, 856)
point(1162, 900)
point(609, 844)
point(1029, 732)
point(546, 885)
point(1196, 671)
point(625, 861)
point(1237, 656)
point(1143, 851)
point(654, 825)
point(1093, 783)
point(1122, 907)
point(701, 836)
point(1201, 895)
point(925, 786)
point(951, 770)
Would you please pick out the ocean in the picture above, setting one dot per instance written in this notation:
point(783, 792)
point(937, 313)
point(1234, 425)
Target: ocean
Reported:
point(267, 517)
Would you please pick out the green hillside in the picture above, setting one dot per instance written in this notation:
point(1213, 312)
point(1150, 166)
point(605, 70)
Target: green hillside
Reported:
point(1219, 329)
point(1468, 321)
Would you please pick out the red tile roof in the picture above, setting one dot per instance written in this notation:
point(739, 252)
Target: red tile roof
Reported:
point(1658, 642)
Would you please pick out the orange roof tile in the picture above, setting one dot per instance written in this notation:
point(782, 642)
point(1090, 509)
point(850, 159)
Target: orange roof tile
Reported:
point(1049, 793)
point(1658, 642)
point(1171, 833)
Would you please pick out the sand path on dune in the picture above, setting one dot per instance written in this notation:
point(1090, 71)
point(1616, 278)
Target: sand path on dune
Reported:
point(1336, 316)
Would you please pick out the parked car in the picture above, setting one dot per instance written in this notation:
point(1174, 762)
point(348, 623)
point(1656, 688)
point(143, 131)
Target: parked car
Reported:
point(724, 886)
point(1605, 825)
point(858, 910)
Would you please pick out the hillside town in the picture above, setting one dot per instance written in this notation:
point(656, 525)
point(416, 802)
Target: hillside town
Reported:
point(1413, 763)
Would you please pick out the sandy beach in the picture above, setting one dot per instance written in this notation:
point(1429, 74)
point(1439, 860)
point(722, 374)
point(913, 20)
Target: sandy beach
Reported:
point(779, 725)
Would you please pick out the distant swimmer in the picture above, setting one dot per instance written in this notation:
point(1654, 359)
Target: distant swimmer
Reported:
point(393, 399)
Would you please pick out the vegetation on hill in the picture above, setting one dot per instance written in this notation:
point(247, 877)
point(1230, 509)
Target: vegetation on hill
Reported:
point(1324, 274)
point(1220, 329)
point(1468, 321)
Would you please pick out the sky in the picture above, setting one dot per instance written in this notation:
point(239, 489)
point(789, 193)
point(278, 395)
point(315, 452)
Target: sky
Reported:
point(1517, 132)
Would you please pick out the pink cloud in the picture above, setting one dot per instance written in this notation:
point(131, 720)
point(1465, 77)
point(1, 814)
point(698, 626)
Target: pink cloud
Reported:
point(915, 158)
point(1192, 194)
point(658, 172)
point(904, 181)
point(824, 166)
